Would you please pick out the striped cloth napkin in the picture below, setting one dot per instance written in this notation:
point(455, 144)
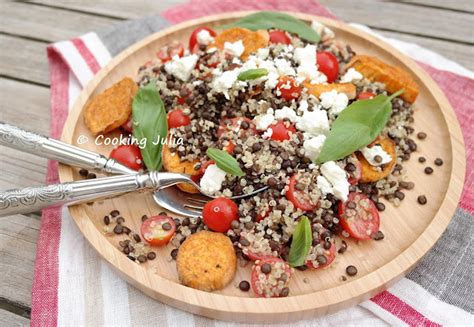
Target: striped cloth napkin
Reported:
point(74, 287)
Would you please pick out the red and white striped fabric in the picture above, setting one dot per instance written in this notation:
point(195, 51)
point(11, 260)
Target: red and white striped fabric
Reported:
point(74, 287)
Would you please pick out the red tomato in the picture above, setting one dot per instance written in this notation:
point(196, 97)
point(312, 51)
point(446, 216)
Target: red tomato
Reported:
point(219, 213)
point(127, 127)
point(365, 95)
point(329, 254)
point(288, 88)
point(280, 132)
point(167, 52)
point(235, 125)
point(128, 155)
point(158, 230)
point(196, 178)
point(363, 221)
point(177, 118)
point(279, 37)
point(262, 285)
point(356, 175)
point(328, 65)
point(193, 39)
point(229, 148)
point(300, 199)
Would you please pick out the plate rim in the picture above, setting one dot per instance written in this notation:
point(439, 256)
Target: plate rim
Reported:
point(229, 307)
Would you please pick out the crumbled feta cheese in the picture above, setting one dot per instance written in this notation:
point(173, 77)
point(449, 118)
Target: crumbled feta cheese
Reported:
point(204, 37)
point(323, 31)
point(263, 53)
point(335, 102)
point(351, 76)
point(286, 112)
point(338, 179)
point(284, 67)
point(323, 184)
point(307, 69)
point(235, 48)
point(314, 122)
point(181, 67)
point(312, 146)
point(212, 180)
point(303, 106)
point(268, 133)
point(262, 122)
point(224, 81)
point(370, 153)
point(211, 50)
point(306, 55)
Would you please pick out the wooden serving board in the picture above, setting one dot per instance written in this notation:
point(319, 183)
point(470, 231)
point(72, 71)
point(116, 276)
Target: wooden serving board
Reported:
point(410, 230)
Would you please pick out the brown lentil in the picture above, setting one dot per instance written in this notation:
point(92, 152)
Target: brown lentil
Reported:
point(266, 268)
point(378, 236)
point(422, 199)
point(106, 220)
point(144, 217)
point(151, 255)
point(285, 292)
point(120, 220)
point(351, 270)
point(438, 162)
point(118, 229)
point(83, 172)
point(166, 226)
point(421, 135)
point(428, 170)
point(421, 159)
point(141, 258)
point(244, 286)
point(114, 213)
point(91, 176)
point(380, 206)
point(174, 253)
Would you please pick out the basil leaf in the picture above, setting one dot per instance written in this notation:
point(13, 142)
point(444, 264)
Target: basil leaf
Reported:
point(265, 20)
point(225, 161)
point(150, 123)
point(356, 127)
point(301, 243)
point(252, 74)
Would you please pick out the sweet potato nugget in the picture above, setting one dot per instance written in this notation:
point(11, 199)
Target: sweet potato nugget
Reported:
point(111, 108)
point(316, 89)
point(173, 164)
point(206, 261)
point(393, 77)
point(252, 40)
point(371, 173)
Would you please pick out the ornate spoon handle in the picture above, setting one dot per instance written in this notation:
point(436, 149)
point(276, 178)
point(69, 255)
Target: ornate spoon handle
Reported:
point(31, 199)
point(46, 147)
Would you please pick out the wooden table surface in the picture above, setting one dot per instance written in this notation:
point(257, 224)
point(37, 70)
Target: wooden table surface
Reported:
point(26, 28)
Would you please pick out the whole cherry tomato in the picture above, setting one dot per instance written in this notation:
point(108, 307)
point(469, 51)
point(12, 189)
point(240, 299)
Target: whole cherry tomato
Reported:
point(219, 213)
point(177, 118)
point(278, 36)
point(328, 65)
point(365, 95)
point(128, 155)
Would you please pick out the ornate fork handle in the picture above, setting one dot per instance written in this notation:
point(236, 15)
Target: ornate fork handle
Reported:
point(46, 147)
point(31, 199)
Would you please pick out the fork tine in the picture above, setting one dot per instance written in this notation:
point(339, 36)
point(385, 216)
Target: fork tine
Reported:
point(199, 201)
point(193, 207)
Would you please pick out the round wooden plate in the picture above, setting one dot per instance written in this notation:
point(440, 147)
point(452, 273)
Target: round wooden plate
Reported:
point(410, 230)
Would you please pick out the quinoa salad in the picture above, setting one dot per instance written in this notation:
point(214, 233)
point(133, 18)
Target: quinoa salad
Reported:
point(290, 114)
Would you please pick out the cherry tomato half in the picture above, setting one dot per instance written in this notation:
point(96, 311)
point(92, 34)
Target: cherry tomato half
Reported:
point(235, 125)
point(363, 221)
point(280, 131)
point(328, 65)
point(289, 89)
point(365, 95)
point(329, 254)
point(354, 176)
point(219, 213)
point(278, 36)
point(158, 230)
point(167, 52)
point(128, 155)
point(127, 126)
point(193, 39)
point(177, 118)
point(263, 284)
point(298, 198)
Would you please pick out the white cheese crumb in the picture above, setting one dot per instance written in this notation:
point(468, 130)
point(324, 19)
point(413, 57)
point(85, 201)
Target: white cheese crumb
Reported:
point(334, 101)
point(268, 133)
point(284, 67)
point(323, 184)
point(262, 122)
point(235, 48)
point(204, 37)
point(370, 153)
point(314, 122)
point(181, 67)
point(224, 81)
point(312, 146)
point(351, 76)
point(338, 179)
point(263, 53)
point(286, 112)
point(212, 180)
point(306, 55)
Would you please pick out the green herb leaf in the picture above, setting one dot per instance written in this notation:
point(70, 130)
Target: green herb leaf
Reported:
point(301, 243)
point(225, 161)
point(252, 74)
point(265, 20)
point(150, 123)
point(356, 127)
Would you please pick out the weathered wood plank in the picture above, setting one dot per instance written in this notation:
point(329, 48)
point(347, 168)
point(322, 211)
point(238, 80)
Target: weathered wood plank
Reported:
point(18, 235)
point(48, 24)
point(12, 320)
point(122, 8)
point(448, 4)
point(23, 59)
